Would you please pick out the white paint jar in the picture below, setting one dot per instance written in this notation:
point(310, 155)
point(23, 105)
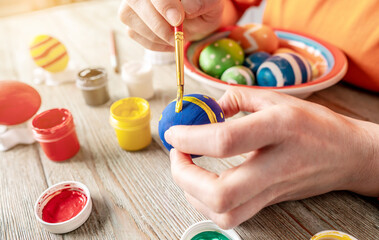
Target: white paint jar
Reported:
point(138, 77)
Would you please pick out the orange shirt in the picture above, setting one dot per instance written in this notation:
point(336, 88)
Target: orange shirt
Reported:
point(352, 26)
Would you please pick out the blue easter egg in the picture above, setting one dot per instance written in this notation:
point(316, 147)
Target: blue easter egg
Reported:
point(284, 69)
point(197, 109)
point(254, 60)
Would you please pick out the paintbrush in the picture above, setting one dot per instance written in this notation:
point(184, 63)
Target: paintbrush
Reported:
point(179, 57)
point(113, 52)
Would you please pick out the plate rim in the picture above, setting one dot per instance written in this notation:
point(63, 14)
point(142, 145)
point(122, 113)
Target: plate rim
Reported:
point(336, 74)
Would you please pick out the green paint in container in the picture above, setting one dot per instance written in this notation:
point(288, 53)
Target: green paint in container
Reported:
point(210, 235)
point(208, 230)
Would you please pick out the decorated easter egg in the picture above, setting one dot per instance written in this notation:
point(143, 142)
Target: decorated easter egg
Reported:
point(197, 109)
point(49, 53)
point(220, 55)
point(238, 75)
point(255, 37)
point(284, 69)
point(254, 60)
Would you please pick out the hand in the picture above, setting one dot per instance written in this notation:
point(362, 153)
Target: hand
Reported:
point(150, 21)
point(296, 149)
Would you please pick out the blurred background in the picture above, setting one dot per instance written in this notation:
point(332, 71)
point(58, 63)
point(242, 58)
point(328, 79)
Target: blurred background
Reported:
point(11, 7)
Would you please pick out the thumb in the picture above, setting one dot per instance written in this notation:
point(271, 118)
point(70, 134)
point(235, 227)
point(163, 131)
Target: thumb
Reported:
point(171, 10)
point(195, 8)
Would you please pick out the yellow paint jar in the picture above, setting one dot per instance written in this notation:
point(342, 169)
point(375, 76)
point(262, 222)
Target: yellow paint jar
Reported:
point(332, 235)
point(130, 117)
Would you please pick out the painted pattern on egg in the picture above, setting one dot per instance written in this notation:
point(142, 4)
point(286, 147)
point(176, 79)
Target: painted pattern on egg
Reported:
point(197, 109)
point(238, 75)
point(49, 53)
point(255, 37)
point(254, 60)
point(220, 55)
point(284, 69)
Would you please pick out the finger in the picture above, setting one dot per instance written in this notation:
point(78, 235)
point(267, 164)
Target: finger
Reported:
point(236, 216)
point(149, 44)
point(230, 138)
point(238, 99)
point(186, 173)
point(171, 10)
point(135, 23)
point(153, 19)
point(194, 9)
point(231, 189)
point(198, 28)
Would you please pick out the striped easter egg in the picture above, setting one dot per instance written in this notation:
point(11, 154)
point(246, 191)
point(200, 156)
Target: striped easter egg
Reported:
point(254, 60)
point(238, 75)
point(284, 69)
point(197, 109)
point(49, 53)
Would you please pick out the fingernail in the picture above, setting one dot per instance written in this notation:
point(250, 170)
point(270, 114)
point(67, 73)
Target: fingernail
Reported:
point(168, 136)
point(173, 16)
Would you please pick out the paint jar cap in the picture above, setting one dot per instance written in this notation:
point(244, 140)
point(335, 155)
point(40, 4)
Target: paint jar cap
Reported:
point(18, 101)
point(208, 226)
point(130, 112)
point(159, 58)
point(72, 223)
point(91, 78)
point(332, 235)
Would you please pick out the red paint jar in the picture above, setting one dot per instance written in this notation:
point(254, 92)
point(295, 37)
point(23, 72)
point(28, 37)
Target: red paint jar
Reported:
point(54, 129)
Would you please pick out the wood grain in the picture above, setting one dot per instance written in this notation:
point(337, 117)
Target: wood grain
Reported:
point(134, 196)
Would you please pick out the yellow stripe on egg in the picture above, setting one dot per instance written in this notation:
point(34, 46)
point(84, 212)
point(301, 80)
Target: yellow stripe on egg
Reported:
point(204, 106)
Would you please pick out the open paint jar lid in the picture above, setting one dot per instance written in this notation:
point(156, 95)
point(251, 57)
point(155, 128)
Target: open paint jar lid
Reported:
point(63, 207)
point(18, 102)
point(208, 230)
point(332, 235)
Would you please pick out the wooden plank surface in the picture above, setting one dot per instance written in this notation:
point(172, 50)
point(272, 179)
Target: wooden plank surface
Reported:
point(133, 193)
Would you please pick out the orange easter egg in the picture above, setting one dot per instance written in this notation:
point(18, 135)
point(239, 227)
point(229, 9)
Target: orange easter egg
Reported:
point(255, 37)
point(49, 53)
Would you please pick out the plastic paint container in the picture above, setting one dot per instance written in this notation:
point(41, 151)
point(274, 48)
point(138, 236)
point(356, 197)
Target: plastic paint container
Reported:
point(138, 77)
point(93, 83)
point(332, 235)
point(74, 210)
point(54, 129)
point(159, 58)
point(208, 230)
point(130, 118)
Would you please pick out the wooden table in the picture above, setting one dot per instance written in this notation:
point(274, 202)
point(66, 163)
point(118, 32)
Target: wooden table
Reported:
point(134, 195)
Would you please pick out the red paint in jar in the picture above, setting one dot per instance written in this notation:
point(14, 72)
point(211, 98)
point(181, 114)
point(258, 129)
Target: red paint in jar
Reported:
point(65, 205)
point(54, 129)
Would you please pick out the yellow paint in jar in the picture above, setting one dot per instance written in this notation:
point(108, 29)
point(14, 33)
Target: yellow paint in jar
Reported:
point(332, 235)
point(130, 117)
